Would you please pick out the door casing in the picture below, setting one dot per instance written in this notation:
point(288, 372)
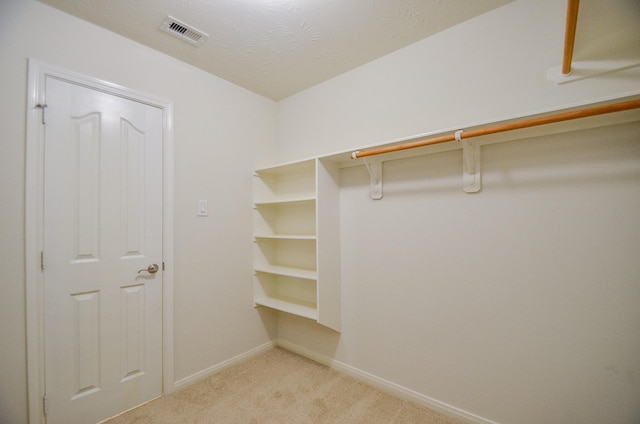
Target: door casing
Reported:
point(34, 231)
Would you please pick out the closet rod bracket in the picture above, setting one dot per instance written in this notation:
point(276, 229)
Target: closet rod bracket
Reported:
point(375, 175)
point(471, 175)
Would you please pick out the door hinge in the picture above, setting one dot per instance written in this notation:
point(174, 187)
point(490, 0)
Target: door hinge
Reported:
point(43, 107)
point(43, 263)
point(45, 404)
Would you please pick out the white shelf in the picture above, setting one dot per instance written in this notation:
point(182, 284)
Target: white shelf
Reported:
point(285, 237)
point(294, 182)
point(296, 207)
point(293, 168)
point(306, 274)
point(290, 200)
point(295, 218)
point(290, 305)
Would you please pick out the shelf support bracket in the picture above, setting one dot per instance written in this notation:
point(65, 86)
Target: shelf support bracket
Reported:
point(471, 175)
point(375, 174)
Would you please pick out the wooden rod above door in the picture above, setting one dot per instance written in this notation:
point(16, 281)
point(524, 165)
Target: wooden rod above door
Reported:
point(525, 123)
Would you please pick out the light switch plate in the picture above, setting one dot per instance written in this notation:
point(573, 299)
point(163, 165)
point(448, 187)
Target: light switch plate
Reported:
point(202, 208)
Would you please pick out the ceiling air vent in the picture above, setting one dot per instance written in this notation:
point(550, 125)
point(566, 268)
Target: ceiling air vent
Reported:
point(183, 31)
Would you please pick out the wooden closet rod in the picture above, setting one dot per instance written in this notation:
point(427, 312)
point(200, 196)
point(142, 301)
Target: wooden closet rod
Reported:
point(525, 123)
point(570, 35)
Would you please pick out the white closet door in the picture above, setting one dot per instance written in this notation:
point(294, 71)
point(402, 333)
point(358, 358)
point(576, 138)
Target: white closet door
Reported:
point(103, 223)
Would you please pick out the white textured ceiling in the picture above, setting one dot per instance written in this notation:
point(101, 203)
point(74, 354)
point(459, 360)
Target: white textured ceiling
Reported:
point(277, 48)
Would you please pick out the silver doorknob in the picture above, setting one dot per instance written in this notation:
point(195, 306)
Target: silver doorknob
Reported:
point(151, 269)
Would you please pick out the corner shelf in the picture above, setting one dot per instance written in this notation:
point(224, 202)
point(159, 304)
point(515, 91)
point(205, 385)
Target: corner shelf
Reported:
point(296, 240)
point(305, 274)
point(284, 237)
point(284, 201)
point(290, 305)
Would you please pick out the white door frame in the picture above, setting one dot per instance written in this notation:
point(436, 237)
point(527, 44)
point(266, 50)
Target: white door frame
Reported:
point(34, 219)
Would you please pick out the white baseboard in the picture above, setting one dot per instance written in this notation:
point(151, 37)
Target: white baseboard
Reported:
point(386, 385)
point(201, 375)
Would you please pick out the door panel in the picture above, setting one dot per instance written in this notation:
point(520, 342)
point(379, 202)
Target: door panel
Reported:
point(103, 223)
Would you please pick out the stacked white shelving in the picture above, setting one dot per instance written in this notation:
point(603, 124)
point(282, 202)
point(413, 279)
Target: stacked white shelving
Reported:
point(296, 249)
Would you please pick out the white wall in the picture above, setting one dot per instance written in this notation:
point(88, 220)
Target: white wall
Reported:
point(219, 132)
point(520, 303)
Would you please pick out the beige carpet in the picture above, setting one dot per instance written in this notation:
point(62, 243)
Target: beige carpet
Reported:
point(280, 387)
